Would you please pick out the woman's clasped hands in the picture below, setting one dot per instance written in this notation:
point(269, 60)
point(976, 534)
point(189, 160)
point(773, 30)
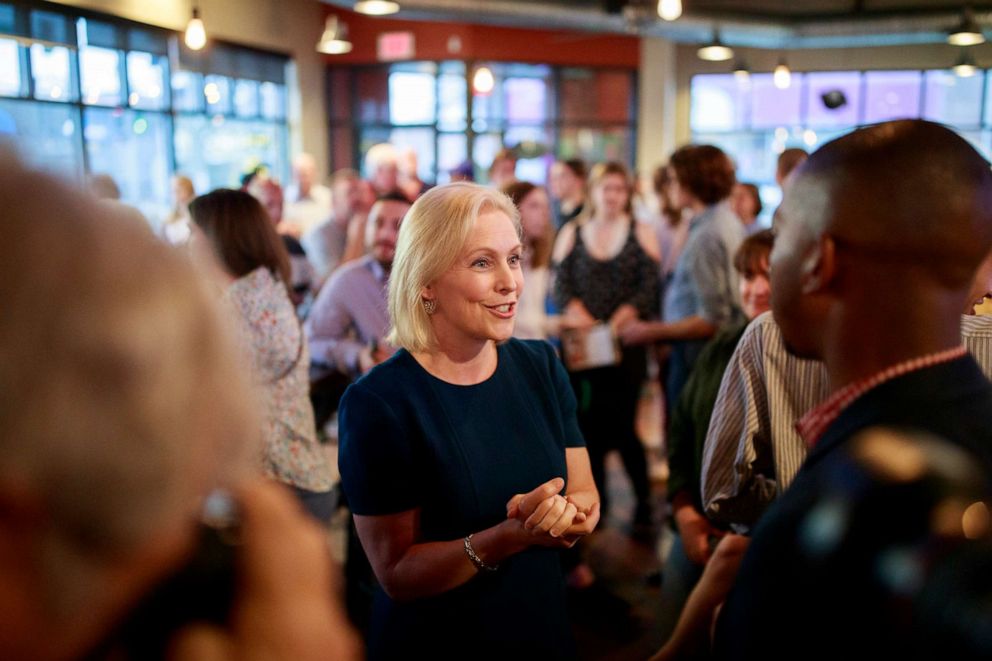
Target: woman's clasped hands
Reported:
point(551, 519)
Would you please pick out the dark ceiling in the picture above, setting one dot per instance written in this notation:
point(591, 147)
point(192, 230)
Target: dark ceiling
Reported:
point(757, 23)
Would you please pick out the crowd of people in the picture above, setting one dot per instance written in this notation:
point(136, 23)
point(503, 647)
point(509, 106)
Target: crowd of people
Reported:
point(482, 348)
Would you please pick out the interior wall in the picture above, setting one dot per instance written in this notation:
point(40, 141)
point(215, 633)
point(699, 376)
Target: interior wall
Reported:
point(292, 27)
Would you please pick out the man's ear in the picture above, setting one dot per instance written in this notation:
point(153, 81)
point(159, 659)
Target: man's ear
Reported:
point(819, 266)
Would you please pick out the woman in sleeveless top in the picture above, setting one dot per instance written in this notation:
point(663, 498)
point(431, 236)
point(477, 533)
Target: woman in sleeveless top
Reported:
point(607, 272)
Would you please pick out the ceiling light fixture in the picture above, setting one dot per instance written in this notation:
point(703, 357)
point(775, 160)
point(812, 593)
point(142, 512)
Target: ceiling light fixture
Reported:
point(376, 7)
point(669, 10)
point(782, 76)
point(741, 71)
point(196, 35)
point(968, 32)
point(334, 41)
point(965, 66)
point(715, 51)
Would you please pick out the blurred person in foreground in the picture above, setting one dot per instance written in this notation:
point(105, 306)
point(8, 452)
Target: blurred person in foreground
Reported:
point(254, 273)
point(123, 407)
point(460, 456)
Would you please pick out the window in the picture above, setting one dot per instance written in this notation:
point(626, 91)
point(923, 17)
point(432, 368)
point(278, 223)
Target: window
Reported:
point(753, 121)
point(73, 86)
point(434, 109)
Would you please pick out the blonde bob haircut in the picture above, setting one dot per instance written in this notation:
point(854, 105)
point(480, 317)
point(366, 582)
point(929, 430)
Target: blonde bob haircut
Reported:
point(432, 236)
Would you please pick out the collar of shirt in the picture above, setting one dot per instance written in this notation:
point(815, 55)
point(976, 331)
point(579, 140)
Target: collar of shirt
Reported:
point(812, 425)
point(377, 270)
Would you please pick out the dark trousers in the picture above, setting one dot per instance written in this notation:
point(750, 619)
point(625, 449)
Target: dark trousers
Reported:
point(607, 407)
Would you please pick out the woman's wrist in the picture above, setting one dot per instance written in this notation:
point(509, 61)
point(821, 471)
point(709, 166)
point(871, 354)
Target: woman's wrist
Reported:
point(498, 543)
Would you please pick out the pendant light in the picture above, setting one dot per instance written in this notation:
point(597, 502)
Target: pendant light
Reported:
point(334, 41)
point(376, 7)
point(195, 35)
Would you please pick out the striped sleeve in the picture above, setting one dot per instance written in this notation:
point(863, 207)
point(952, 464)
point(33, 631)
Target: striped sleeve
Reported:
point(752, 449)
point(976, 334)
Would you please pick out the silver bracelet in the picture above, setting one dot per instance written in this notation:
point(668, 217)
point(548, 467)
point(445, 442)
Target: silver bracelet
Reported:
point(474, 557)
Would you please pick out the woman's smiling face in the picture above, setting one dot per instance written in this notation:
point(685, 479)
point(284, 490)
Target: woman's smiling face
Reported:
point(477, 297)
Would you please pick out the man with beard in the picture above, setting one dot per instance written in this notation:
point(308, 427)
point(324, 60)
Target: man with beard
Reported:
point(349, 318)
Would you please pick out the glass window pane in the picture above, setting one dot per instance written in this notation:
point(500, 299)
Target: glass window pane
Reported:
point(421, 141)
point(771, 106)
point(217, 151)
point(452, 91)
point(187, 91)
point(833, 98)
point(100, 73)
point(719, 102)
point(411, 98)
point(46, 134)
point(891, 95)
point(133, 148)
point(246, 98)
point(10, 68)
point(273, 98)
point(217, 92)
point(953, 100)
point(980, 141)
point(50, 69)
point(487, 107)
point(146, 76)
point(484, 148)
point(452, 151)
point(526, 100)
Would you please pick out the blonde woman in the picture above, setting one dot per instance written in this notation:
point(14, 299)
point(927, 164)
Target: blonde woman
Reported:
point(460, 456)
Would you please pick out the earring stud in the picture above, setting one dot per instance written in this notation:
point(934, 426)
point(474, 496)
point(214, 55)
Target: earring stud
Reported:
point(430, 305)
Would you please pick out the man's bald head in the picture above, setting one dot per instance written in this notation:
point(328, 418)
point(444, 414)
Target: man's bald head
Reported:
point(908, 190)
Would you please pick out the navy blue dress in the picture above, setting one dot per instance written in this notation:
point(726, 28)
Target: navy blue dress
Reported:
point(458, 454)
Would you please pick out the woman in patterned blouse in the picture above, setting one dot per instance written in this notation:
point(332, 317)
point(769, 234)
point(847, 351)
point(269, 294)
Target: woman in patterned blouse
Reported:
point(255, 268)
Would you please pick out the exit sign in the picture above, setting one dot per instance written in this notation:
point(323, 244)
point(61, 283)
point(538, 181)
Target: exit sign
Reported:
point(395, 46)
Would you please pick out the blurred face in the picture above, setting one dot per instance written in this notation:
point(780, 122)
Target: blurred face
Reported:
point(305, 171)
point(269, 194)
point(743, 204)
point(345, 196)
point(384, 220)
point(755, 290)
point(535, 213)
point(477, 297)
point(610, 195)
point(678, 195)
point(562, 182)
point(384, 179)
point(182, 192)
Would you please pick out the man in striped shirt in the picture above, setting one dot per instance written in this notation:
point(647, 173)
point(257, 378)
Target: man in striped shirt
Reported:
point(753, 451)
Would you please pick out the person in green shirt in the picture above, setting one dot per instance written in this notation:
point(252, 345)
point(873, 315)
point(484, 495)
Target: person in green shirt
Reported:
point(696, 535)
